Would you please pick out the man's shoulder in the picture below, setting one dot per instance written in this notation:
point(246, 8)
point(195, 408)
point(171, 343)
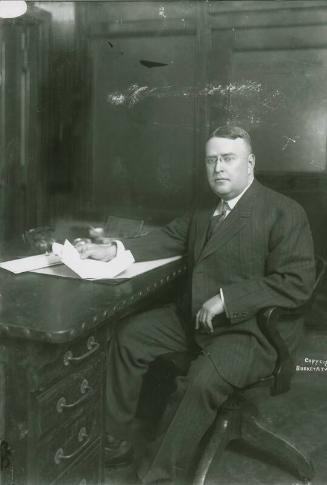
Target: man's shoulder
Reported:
point(278, 200)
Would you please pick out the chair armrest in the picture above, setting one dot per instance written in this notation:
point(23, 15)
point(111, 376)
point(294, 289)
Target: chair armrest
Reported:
point(285, 367)
point(267, 320)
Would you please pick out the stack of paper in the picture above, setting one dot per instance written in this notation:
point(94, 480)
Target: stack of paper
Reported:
point(135, 269)
point(30, 263)
point(90, 268)
point(67, 254)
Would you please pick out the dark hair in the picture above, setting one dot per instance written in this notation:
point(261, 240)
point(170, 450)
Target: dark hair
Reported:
point(231, 132)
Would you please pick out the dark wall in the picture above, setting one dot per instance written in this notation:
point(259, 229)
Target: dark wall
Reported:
point(146, 126)
point(135, 88)
point(258, 64)
point(273, 58)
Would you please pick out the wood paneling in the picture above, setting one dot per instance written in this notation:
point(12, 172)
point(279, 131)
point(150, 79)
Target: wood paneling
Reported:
point(24, 141)
point(128, 139)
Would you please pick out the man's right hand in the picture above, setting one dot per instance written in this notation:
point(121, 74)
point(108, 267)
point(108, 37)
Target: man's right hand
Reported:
point(97, 251)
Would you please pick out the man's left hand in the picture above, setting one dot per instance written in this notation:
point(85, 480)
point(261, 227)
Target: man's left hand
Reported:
point(212, 307)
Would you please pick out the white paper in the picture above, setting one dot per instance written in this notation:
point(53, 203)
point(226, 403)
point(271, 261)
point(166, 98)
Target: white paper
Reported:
point(90, 268)
point(144, 266)
point(134, 270)
point(60, 270)
point(30, 263)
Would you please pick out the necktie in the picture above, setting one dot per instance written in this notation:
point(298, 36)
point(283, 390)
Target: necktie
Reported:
point(217, 220)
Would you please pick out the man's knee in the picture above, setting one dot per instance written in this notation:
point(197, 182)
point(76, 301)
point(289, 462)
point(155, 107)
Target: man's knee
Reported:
point(158, 327)
point(130, 329)
point(203, 380)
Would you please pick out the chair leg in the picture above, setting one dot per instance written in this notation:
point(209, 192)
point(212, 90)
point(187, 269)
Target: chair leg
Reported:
point(225, 429)
point(254, 433)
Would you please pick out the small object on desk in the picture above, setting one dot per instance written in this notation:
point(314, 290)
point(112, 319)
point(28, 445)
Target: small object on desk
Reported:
point(80, 241)
point(96, 233)
point(40, 238)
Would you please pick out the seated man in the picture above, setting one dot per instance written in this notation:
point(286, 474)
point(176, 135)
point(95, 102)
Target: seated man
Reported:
point(251, 249)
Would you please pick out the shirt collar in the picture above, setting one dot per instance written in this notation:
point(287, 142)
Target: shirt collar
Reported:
point(232, 202)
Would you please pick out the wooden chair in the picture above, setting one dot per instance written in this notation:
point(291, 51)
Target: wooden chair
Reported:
point(237, 418)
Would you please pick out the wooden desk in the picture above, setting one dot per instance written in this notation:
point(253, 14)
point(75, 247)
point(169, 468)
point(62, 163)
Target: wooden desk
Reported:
point(53, 339)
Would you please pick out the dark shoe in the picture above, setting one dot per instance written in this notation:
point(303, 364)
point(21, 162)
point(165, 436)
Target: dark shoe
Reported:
point(117, 453)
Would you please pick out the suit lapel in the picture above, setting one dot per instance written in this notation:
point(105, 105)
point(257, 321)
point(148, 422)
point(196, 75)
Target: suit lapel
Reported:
point(202, 224)
point(231, 226)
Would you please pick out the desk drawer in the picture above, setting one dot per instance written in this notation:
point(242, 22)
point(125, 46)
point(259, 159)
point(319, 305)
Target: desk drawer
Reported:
point(87, 470)
point(70, 397)
point(52, 362)
point(60, 449)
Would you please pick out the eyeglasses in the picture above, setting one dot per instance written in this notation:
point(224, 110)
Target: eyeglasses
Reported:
point(211, 160)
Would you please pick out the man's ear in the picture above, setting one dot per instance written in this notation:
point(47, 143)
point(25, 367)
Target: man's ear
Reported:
point(251, 160)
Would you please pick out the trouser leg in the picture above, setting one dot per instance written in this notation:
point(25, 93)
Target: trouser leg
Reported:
point(136, 343)
point(189, 414)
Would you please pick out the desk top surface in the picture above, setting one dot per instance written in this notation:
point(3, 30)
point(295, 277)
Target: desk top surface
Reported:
point(58, 310)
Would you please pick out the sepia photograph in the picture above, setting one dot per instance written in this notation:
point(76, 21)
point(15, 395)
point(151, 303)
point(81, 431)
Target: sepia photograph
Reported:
point(163, 242)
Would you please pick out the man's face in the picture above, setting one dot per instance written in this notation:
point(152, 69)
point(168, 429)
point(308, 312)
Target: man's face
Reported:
point(230, 165)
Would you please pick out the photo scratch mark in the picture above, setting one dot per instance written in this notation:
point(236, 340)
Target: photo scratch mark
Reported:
point(116, 99)
point(135, 93)
point(317, 165)
point(287, 141)
point(151, 64)
point(162, 12)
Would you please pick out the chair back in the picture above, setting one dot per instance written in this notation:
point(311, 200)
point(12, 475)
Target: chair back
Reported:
point(321, 266)
point(280, 380)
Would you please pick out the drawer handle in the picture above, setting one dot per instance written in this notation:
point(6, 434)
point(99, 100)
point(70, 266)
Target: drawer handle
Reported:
point(60, 455)
point(86, 390)
point(92, 346)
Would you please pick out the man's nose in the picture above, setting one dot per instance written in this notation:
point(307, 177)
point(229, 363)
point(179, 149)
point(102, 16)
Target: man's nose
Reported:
point(218, 165)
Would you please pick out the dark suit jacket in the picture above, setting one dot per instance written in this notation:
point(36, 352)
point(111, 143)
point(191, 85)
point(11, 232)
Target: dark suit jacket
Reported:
point(261, 255)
